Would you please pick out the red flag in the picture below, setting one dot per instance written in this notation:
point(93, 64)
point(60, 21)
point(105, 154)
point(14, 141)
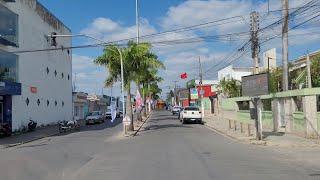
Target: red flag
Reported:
point(184, 75)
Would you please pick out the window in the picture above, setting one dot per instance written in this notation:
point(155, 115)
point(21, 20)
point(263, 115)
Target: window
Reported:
point(191, 109)
point(62, 75)
point(47, 70)
point(48, 102)
point(68, 77)
point(55, 103)
point(8, 27)
point(55, 73)
point(38, 102)
point(8, 66)
point(62, 103)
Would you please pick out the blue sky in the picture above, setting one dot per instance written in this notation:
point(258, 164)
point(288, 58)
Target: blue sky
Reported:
point(115, 19)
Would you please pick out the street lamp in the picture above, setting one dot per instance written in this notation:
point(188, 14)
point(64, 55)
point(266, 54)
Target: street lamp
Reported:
point(53, 35)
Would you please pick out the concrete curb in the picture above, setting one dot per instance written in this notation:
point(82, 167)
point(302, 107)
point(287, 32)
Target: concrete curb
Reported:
point(235, 139)
point(28, 141)
point(138, 130)
point(224, 134)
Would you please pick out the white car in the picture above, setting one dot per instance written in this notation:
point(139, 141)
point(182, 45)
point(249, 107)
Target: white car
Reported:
point(176, 110)
point(108, 113)
point(94, 117)
point(191, 114)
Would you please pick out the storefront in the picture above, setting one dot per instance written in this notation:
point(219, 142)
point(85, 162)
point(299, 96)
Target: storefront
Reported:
point(7, 90)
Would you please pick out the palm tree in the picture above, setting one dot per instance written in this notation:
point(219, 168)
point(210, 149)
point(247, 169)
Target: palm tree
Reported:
point(111, 60)
point(138, 60)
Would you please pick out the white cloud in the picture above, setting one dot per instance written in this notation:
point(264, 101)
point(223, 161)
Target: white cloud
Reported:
point(109, 30)
point(87, 76)
point(183, 57)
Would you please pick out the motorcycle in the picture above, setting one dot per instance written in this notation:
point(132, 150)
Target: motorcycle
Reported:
point(65, 126)
point(5, 129)
point(32, 125)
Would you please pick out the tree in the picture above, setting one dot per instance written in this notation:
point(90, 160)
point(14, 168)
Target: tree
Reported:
point(137, 61)
point(230, 88)
point(275, 79)
point(111, 60)
point(147, 69)
point(315, 71)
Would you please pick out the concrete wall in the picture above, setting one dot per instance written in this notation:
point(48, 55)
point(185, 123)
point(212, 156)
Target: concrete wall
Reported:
point(34, 24)
point(306, 123)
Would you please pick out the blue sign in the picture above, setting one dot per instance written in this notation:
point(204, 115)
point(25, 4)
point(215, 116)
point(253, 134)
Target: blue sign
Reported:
point(10, 88)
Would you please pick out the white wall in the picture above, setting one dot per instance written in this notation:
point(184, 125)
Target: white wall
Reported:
point(232, 73)
point(32, 70)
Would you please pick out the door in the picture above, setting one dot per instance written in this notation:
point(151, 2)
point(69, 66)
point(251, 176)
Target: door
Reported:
point(1, 112)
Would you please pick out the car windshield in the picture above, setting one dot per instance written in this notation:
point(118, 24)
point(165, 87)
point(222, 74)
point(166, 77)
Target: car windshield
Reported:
point(95, 113)
point(191, 109)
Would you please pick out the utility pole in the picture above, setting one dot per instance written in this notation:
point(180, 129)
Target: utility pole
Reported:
point(309, 71)
point(285, 14)
point(254, 16)
point(175, 92)
point(137, 21)
point(201, 88)
point(255, 49)
point(287, 110)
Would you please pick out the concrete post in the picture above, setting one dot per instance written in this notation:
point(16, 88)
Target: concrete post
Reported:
point(276, 114)
point(287, 113)
point(310, 115)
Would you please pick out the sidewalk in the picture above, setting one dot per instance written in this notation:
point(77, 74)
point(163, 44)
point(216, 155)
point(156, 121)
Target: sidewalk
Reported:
point(270, 138)
point(39, 133)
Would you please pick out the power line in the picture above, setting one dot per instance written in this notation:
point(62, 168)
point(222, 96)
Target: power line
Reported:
point(275, 23)
point(268, 39)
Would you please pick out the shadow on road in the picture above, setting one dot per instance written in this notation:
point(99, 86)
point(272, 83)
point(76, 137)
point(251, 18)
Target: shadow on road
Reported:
point(95, 127)
point(164, 126)
point(267, 134)
point(52, 131)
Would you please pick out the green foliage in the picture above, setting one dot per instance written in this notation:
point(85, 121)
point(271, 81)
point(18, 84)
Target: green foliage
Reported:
point(230, 88)
point(315, 71)
point(275, 79)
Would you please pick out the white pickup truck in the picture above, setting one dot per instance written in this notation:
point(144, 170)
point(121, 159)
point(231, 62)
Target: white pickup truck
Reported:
point(191, 114)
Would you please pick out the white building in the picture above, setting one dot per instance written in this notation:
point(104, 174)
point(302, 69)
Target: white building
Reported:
point(236, 73)
point(33, 85)
point(80, 105)
point(270, 59)
point(97, 103)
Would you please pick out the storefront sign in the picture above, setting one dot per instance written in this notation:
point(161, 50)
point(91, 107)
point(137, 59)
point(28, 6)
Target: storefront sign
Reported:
point(10, 88)
point(33, 90)
point(193, 93)
point(255, 85)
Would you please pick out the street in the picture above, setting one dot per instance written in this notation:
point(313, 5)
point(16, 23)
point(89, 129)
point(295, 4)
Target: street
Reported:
point(164, 149)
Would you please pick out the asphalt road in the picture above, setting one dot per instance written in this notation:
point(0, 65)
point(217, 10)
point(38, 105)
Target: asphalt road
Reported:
point(164, 150)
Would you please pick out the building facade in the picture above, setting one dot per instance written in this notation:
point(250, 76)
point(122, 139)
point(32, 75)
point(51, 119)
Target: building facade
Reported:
point(97, 103)
point(236, 73)
point(80, 105)
point(33, 85)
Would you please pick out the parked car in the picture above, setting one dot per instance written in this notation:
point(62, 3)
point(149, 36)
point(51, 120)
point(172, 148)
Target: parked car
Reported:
point(191, 114)
point(176, 110)
point(108, 113)
point(95, 117)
